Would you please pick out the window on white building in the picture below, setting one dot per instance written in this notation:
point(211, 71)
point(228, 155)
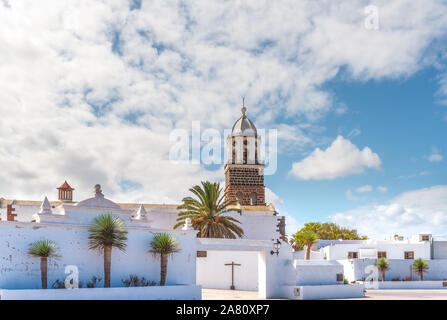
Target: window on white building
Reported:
point(381, 254)
point(353, 255)
point(409, 255)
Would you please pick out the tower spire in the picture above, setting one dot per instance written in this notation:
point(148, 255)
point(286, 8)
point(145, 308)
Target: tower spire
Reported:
point(243, 109)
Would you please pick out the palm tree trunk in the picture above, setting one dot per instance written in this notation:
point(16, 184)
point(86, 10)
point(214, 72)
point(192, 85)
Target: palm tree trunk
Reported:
point(307, 256)
point(383, 275)
point(163, 268)
point(421, 277)
point(107, 265)
point(43, 271)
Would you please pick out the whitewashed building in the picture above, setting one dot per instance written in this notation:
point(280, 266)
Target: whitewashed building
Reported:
point(357, 255)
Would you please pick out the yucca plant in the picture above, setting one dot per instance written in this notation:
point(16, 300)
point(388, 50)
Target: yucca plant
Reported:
point(107, 232)
point(163, 245)
point(309, 238)
point(420, 266)
point(208, 212)
point(383, 265)
point(43, 249)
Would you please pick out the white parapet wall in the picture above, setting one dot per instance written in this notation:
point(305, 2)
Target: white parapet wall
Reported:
point(213, 271)
point(186, 292)
point(323, 292)
point(406, 285)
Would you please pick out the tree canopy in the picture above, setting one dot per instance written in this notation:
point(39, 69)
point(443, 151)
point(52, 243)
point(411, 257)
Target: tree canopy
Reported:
point(324, 231)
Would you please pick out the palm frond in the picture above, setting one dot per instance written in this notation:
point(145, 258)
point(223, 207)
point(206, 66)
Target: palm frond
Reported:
point(107, 230)
point(164, 243)
point(43, 248)
point(207, 212)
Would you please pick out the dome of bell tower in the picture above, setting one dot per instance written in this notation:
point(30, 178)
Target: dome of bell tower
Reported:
point(243, 126)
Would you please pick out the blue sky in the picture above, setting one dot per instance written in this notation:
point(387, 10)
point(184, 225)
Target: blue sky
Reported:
point(398, 119)
point(91, 92)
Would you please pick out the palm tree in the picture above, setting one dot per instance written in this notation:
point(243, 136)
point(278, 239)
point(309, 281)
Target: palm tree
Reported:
point(309, 238)
point(383, 265)
point(163, 244)
point(44, 249)
point(107, 232)
point(420, 266)
point(207, 212)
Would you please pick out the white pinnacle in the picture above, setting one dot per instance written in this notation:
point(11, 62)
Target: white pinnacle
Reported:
point(45, 207)
point(141, 212)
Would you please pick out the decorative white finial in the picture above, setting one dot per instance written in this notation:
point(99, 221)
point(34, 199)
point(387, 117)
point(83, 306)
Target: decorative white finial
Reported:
point(98, 191)
point(141, 213)
point(188, 225)
point(45, 207)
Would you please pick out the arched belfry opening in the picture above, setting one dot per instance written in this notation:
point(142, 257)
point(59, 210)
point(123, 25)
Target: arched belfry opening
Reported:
point(244, 172)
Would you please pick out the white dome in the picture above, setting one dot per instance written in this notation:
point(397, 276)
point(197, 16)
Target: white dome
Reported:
point(98, 201)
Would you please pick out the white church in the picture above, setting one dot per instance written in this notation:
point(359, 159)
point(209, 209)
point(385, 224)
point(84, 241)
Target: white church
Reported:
point(261, 261)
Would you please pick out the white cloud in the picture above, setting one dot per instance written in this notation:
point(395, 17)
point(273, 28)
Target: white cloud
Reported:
point(271, 197)
point(354, 133)
point(292, 224)
point(340, 159)
point(352, 194)
point(435, 155)
point(411, 176)
point(90, 90)
point(382, 189)
point(413, 212)
point(364, 189)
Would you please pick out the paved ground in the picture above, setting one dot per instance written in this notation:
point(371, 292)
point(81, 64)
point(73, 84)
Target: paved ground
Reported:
point(415, 294)
point(216, 294)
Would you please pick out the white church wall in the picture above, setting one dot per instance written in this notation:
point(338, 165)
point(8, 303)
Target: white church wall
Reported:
point(314, 255)
point(213, 273)
point(24, 212)
point(20, 271)
point(256, 225)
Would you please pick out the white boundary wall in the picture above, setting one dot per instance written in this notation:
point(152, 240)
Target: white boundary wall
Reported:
point(189, 292)
point(323, 292)
point(20, 271)
point(408, 285)
point(355, 270)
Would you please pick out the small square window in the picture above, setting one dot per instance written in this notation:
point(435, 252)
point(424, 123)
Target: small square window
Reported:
point(409, 255)
point(201, 254)
point(353, 255)
point(340, 277)
point(381, 254)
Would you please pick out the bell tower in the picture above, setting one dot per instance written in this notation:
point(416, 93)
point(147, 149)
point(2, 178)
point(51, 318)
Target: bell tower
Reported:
point(244, 172)
point(65, 192)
